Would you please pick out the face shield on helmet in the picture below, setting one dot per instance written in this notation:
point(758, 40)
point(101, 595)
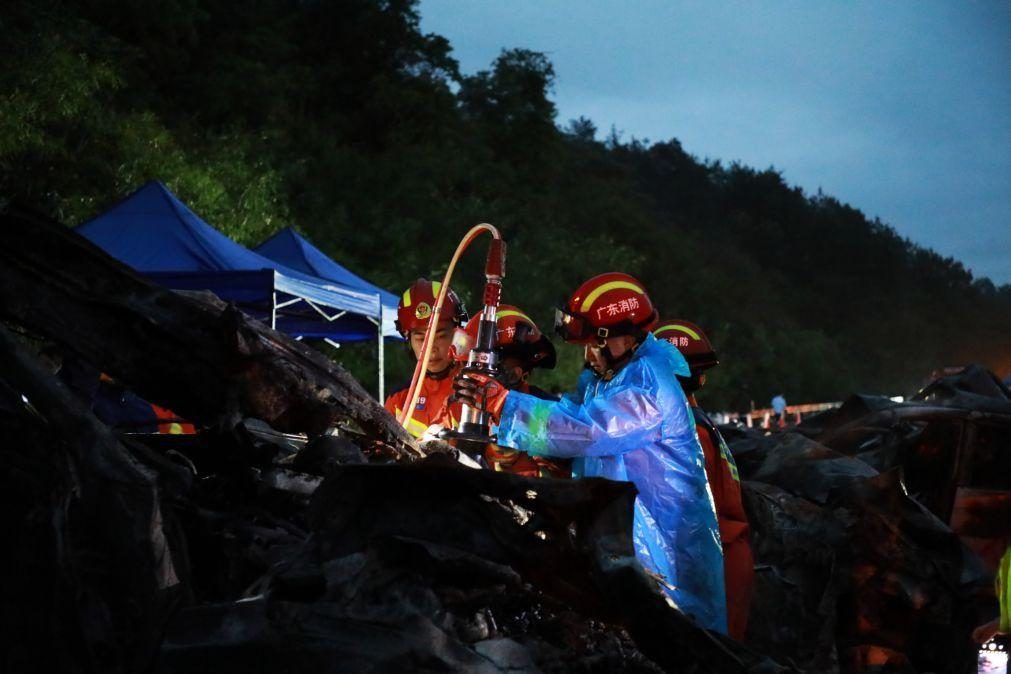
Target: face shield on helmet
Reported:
point(607, 305)
point(573, 328)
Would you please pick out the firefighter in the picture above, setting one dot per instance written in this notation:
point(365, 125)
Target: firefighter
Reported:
point(627, 420)
point(725, 483)
point(414, 313)
point(521, 347)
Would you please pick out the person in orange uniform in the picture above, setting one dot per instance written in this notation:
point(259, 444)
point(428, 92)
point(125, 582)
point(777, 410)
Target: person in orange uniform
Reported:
point(414, 313)
point(738, 561)
point(521, 347)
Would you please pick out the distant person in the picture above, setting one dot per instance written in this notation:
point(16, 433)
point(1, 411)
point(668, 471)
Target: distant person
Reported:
point(779, 410)
point(414, 313)
point(724, 481)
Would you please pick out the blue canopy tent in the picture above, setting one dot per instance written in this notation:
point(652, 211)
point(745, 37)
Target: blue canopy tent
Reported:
point(159, 236)
point(294, 251)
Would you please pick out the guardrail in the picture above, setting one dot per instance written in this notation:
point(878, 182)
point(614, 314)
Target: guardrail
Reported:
point(767, 415)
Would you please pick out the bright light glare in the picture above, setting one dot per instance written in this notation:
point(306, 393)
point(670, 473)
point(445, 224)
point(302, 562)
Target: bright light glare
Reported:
point(991, 661)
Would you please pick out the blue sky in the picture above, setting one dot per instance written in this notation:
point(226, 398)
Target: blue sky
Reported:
point(900, 108)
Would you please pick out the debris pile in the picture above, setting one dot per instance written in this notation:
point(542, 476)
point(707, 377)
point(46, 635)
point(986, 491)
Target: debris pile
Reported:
point(303, 530)
point(235, 549)
point(877, 527)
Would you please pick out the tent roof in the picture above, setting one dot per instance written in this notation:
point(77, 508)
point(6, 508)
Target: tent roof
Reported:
point(291, 249)
point(157, 234)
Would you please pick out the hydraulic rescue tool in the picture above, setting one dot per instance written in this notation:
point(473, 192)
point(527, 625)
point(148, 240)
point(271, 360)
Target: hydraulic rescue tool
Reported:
point(475, 424)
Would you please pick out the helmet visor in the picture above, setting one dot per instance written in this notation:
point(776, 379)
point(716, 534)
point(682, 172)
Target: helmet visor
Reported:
point(571, 328)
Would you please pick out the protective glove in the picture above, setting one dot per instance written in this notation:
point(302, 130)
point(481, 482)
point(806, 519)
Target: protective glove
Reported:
point(480, 391)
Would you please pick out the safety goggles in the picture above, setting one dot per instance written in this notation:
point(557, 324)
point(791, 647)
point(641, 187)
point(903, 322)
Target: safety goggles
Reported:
point(574, 328)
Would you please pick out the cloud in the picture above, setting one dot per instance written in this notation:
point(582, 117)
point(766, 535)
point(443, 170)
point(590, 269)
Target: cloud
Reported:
point(899, 109)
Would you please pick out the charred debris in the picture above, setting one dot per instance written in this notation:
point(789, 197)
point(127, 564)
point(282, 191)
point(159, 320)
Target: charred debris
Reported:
point(301, 529)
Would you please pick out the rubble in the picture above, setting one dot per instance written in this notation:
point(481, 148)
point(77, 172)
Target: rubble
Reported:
point(237, 548)
point(302, 529)
point(193, 354)
point(872, 531)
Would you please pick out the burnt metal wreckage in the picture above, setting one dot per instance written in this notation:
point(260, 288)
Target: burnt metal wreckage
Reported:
point(301, 529)
point(877, 528)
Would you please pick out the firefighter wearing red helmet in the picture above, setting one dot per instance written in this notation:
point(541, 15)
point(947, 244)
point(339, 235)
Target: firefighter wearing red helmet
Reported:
point(609, 309)
point(629, 420)
point(414, 313)
point(738, 561)
point(521, 347)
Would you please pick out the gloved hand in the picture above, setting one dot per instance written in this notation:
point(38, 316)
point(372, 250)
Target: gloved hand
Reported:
point(480, 391)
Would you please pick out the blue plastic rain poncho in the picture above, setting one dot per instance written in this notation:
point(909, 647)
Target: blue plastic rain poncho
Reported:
point(638, 427)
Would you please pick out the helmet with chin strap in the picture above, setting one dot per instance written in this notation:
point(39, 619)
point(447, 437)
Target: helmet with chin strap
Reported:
point(607, 305)
point(418, 302)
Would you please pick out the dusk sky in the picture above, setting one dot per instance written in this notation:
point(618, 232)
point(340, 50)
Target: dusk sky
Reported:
point(901, 109)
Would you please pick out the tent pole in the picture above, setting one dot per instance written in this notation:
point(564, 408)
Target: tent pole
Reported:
point(273, 310)
point(382, 346)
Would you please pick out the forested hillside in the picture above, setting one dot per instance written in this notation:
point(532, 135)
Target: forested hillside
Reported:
point(343, 119)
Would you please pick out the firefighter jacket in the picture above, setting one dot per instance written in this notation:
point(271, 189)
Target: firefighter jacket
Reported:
point(432, 406)
point(637, 427)
point(725, 483)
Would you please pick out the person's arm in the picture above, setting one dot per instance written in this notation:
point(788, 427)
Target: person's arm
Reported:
point(621, 419)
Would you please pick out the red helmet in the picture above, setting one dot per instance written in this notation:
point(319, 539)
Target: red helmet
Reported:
point(517, 337)
point(418, 301)
point(690, 341)
point(607, 305)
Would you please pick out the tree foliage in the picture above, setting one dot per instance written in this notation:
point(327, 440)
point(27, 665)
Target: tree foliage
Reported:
point(344, 119)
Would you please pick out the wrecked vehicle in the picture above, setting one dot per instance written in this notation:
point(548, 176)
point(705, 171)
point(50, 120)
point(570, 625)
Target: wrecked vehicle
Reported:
point(878, 525)
point(952, 445)
point(234, 549)
point(301, 528)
